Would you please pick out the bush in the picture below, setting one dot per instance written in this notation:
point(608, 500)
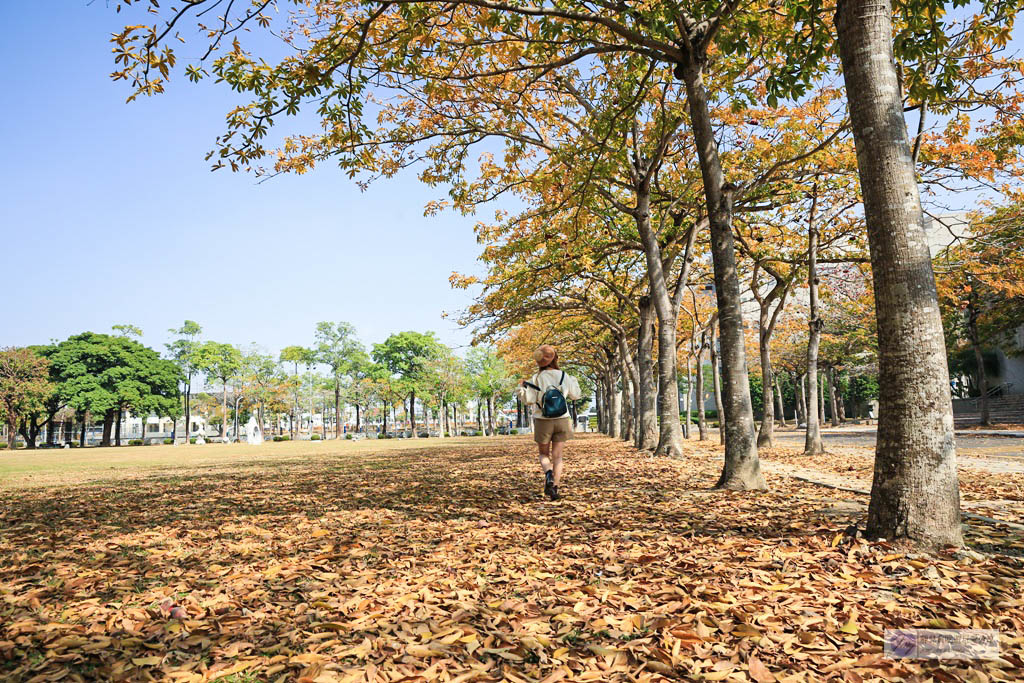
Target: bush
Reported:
point(168, 441)
point(314, 437)
point(278, 437)
point(3, 444)
point(381, 436)
point(514, 431)
point(447, 435)
point(136, 442)
point(192, 440)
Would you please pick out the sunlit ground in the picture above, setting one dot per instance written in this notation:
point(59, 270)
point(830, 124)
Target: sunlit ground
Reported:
point(439, 560)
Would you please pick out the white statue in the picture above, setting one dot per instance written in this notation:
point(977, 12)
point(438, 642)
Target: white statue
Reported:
point(253, 433)
point(200, 441)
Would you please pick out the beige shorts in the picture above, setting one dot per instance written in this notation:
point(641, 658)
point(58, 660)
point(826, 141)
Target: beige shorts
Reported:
point(546, 430)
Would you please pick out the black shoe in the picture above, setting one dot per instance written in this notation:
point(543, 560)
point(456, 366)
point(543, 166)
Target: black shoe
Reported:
point(554, 493)
point(549, 483)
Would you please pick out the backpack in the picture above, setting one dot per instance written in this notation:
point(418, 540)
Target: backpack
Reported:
point(552, 402)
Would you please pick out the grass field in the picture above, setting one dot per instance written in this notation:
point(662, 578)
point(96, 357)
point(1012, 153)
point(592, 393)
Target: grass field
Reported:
point(49, 467)
point(439, 560)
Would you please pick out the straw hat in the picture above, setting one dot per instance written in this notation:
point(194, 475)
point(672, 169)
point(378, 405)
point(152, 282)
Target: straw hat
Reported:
point(544, 355)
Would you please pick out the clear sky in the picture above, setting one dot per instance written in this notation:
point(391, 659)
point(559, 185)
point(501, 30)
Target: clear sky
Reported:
point(109, 213)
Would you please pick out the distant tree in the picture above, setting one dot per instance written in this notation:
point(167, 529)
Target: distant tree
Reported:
point(405, 355)
point(490, 377)
point(295, 355)
point(338, 349)
point(104, 375)
point(183, 352)
point(223, 361)
point(24, 383)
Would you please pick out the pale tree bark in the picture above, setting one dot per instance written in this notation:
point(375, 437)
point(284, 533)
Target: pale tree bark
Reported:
point(670, 437)
point(812, 441)
point(742, 469)
point(626, 429)
point(647, 432)
point(716, 383)
point(779, 404)
point(915, 492)
point(768, 317)
point(802, 399)
point(832, 396)
point(686, 401)
point(702, 423)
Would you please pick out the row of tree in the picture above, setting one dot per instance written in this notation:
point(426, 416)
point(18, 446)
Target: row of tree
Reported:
point(107, 376)
point(666, 154)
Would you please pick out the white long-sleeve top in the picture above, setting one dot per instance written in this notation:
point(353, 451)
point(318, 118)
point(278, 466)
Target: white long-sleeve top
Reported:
point(545, 379)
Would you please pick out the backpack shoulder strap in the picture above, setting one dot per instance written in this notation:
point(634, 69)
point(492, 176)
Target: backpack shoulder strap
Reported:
point(562, 378)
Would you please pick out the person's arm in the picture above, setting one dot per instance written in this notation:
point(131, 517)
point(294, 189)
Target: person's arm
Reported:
point(573, 393)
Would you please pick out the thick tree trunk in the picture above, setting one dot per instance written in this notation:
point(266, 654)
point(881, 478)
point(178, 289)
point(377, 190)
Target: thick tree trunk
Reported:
point(802, 399)
point(647, 433)
point(117, 427)
point(12, 430)
point(812, 441)
point(742, 469)
point(108, 423)
point(716, 384)
point(915, 493)
point(490, 416)
point(599, 406)
point(81, 435)
point(616, 417)
point(670, 437)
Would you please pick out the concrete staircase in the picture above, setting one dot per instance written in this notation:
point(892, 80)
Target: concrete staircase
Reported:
point(1002, 409)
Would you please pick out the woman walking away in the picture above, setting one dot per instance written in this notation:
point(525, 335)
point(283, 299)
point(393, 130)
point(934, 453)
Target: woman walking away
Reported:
point(549, 392)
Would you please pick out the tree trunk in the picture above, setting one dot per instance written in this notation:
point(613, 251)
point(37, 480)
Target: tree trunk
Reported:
point(188, 410)
point(915, 493)
point(716, 384)
point(670, 437)
point(490, 416)
point(412, 414)
point(779, 405)
point(812, 440)
point(702, 423)
point(117, 426)
point(599, 406)
point(975, 338)
point(647, 432)
point(765, 433)
point(108, 423)
point(12, 430)
point(801, 404)
point(742, 469)
point(616, 416)
point(81, 436)
point(626, 429)
point(687, 406)
point(833, 407)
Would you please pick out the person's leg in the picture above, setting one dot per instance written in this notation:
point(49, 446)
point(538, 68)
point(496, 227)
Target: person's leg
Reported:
point(545, 452)
point(557, 447)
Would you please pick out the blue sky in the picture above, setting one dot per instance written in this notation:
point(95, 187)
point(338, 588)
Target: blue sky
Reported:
point(109, 213)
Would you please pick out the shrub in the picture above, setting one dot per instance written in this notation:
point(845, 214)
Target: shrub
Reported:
point(278, 437)
point(192, 440)
point(168, 441)
point(136, 442)
point(514, 431)
point(348, 437)
point(3, 444)
point(447, 435)
point(381, 436)
point(314, 437)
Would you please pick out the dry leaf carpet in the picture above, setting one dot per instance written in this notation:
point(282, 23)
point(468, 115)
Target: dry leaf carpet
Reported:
point(445, 564)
